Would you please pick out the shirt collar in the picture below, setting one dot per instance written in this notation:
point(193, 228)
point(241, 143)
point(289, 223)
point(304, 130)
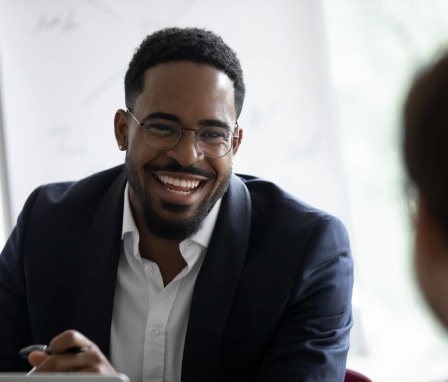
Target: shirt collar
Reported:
point(128, 219)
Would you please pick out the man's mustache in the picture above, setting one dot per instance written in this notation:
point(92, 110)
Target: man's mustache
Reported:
point(177, 167)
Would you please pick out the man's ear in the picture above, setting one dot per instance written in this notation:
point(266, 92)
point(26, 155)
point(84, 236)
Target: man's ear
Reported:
point(237, 141)
point(121, 129)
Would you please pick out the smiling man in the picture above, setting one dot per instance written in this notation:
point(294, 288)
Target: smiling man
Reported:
point(173, 268)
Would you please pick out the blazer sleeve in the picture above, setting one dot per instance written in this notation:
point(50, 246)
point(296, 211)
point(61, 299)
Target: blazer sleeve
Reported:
point(312, 340)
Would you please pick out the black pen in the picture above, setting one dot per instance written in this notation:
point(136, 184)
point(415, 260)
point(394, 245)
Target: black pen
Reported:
point(26, 351)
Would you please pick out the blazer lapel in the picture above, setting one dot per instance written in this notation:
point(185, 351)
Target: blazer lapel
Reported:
point(216, 285)
point(98, 268)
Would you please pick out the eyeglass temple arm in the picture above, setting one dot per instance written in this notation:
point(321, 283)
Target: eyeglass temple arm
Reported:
point(133, 117)
point(236, 128)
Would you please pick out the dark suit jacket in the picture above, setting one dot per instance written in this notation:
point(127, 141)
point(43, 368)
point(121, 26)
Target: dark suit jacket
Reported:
point(272, 301)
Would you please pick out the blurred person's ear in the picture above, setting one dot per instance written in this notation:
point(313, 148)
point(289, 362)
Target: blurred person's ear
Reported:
point(431, 260)
point(430, 242)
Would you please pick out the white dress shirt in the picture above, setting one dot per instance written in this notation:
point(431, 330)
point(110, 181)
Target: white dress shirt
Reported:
point(149, 320)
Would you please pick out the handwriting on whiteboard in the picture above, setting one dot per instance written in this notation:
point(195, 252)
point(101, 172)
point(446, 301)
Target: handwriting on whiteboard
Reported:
point(68, 17)
point(65, 22)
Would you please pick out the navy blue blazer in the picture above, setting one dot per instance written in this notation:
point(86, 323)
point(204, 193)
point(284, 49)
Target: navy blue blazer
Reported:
point(272, 301)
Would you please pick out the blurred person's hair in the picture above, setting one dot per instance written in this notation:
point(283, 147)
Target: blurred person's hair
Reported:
point(425, 146)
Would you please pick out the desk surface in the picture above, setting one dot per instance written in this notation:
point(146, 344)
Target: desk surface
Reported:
point(62, 377)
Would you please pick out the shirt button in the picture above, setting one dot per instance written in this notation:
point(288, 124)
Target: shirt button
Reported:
point(155, 333)
point(149, 269)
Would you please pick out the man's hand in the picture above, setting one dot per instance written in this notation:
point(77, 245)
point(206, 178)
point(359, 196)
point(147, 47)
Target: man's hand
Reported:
point(88, 360)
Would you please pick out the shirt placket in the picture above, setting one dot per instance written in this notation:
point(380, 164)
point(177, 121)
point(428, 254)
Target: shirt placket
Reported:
point(161, 301)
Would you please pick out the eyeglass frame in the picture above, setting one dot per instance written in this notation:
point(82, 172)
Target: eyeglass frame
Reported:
point(198, 149)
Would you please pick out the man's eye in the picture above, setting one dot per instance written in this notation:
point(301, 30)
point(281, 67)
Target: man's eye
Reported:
point(214, 133)
point(160, 129)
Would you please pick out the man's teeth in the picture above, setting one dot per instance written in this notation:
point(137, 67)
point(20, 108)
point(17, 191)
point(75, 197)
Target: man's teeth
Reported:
point(191, 184)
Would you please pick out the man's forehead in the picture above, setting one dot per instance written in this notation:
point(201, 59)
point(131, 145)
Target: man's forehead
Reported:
point(179, 86)
point(179, 68)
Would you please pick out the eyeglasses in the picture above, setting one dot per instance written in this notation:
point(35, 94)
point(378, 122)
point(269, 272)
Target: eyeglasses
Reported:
point(211, 141)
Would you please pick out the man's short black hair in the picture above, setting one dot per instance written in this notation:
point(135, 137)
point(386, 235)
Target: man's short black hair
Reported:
point(426, 138)
point(183, 44)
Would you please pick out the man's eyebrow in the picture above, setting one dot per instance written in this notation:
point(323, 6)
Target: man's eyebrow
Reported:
point(175, 118)
point(214, 122)
point(161, 115)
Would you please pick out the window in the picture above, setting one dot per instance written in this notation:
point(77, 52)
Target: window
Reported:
point(375, 49)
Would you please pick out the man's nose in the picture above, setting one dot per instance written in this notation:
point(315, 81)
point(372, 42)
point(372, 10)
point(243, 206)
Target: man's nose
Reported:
point(186, 151)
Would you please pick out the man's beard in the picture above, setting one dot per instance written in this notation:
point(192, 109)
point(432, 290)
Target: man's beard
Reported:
point(176, 228)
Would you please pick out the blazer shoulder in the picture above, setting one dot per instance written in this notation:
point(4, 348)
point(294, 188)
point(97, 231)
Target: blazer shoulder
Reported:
point(270, 200)
point(90, 188)
point(281, 217)
point(62, 202)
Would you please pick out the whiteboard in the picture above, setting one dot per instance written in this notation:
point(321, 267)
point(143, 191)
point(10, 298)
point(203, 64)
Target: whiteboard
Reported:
point(62, 69)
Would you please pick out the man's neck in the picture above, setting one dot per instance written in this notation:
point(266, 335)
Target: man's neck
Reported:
point(165, 253)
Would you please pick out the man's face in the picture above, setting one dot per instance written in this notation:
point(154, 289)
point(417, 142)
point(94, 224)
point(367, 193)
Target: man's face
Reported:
point(172, 191)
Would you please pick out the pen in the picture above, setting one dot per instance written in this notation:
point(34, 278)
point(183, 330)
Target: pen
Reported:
point(25, 352)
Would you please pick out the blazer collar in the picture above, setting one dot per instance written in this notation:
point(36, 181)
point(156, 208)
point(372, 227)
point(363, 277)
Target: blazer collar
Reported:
point(216, 285)
point(98, 268)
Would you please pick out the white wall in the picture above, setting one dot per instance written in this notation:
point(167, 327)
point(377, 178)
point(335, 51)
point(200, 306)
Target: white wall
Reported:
point(376, 47)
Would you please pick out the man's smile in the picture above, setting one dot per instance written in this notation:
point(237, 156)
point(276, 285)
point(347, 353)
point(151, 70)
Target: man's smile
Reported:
point(177, 185)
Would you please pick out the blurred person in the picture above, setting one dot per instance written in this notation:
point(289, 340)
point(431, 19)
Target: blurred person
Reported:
point(425, 151)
